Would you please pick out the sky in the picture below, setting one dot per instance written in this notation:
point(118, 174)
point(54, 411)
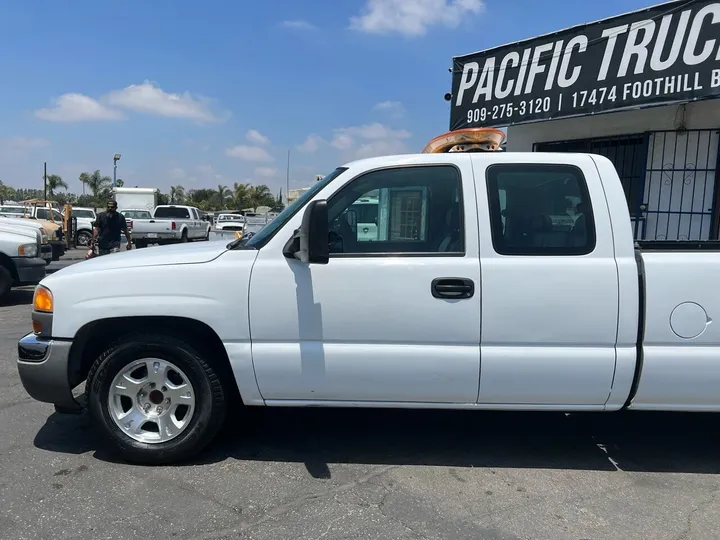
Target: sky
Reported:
point(207, 93)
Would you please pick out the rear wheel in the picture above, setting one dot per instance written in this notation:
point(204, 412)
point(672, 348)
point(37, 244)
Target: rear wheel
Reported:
point(139, 244)
point(184, 237)
point(82, 238)
point(155, 398)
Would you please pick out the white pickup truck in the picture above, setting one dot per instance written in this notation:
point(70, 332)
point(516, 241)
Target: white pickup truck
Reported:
point(187, 222)
point(146, 230)
point(495, 281)
point(20, 260)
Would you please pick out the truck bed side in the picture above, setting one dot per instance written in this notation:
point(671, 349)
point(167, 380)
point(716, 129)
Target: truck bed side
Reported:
point(681, 363)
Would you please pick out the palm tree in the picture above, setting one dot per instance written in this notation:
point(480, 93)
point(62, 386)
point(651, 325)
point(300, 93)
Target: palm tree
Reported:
point(177, 194)
point(261, 196)
point(54, 182)
point(241, 195)
point(222, 195)
point(96, 182)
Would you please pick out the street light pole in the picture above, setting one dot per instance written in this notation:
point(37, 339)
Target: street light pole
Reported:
point(116, 158)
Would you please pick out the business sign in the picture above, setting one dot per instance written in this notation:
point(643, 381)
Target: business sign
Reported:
point(663, 54)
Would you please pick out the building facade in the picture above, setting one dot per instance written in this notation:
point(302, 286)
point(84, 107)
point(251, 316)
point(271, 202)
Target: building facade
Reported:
point(638, 88)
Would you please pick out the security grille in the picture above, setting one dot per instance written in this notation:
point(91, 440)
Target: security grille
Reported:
point(669, 179)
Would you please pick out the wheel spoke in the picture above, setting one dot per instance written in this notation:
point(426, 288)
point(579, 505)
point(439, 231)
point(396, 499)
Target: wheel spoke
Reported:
point(127, 386)
point(132, 421)
point(180, 395)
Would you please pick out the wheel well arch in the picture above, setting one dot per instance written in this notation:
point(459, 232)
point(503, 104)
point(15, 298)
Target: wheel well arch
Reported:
point(95, 337)
point(7, 262)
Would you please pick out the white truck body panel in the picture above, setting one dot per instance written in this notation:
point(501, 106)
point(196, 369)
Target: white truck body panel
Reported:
point(550, 332)
point(144, 198)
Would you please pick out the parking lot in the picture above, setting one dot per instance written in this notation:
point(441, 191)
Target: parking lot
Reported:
point(311, 474)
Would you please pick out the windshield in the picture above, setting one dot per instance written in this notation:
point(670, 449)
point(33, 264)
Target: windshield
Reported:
point(12, 209)
point(230, 217)
point(269, 230)
point(175, 212)
point(83, 213)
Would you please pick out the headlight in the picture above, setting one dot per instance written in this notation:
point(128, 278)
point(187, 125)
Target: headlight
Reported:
point(28, 250)
point(43, 299)
point(44, 235)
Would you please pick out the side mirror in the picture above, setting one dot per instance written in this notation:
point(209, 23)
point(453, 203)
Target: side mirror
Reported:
point(309, 244)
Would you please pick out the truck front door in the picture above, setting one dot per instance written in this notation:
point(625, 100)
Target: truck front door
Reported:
point(392, 318)
point(550, 294)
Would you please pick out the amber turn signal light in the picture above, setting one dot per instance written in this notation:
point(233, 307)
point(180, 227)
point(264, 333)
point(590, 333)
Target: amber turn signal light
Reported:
point(43, 300)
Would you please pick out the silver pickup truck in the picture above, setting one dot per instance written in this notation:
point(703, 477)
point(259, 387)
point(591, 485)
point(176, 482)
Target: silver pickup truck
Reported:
point(146, 230)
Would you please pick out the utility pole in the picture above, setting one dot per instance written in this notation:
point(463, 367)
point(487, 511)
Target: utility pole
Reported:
point(45, 181)
point(287, 180)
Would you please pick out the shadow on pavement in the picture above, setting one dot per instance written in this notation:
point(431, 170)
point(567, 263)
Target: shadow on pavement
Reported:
point(19, 297)
point(649, 442)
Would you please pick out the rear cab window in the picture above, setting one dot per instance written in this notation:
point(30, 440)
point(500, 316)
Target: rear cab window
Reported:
point(540, 209)
point(172, 212)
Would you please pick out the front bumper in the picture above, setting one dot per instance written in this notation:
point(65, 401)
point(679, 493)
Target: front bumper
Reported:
point(43, 368)
point(46, 252)
point(31, 271)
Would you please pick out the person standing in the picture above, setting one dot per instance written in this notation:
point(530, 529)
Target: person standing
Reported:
point(107, 229)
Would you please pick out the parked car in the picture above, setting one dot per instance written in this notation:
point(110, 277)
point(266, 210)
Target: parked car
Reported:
point(230, 222)
point(481, 290)
point(20, 261)
point(147, 230)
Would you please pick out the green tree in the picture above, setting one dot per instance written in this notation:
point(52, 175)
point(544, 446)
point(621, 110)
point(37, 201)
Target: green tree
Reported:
point(261, 196)
point(177, 194)
point(241, 195)
point(96, 183)
point(119, 182)
point(222, 194)
point(55, 182)
point(6, 193)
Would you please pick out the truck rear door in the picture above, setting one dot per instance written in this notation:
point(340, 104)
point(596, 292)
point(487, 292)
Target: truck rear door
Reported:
point(550, 282)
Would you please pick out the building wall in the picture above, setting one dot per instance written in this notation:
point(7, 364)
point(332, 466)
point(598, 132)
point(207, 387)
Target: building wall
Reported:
point(698, 115)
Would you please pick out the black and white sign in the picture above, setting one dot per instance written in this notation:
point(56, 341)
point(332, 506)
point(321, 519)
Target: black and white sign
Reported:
point(667, 53)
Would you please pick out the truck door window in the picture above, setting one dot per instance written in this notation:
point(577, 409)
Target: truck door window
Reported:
point(539, 209)
point(409, 210)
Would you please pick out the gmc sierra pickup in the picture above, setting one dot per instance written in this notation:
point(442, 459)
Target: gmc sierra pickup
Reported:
point(492, 281)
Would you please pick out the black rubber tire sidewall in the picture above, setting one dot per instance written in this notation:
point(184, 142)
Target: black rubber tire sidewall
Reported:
point(5, 282)
point(209, 399)
point(184, 237)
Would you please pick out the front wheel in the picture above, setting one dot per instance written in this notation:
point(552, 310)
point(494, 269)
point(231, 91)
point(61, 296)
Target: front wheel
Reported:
point(155, 398)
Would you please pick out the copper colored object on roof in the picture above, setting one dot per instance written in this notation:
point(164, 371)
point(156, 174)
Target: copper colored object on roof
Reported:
point(466, 140)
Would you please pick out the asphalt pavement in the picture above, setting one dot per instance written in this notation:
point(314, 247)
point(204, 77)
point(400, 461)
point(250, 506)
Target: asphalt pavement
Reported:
point(353, 474)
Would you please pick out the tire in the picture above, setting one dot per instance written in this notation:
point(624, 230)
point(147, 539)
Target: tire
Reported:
point(207, 236)
point(5, 282)
point(82, 238)
point(184, 237)
point(208, 410)
point(139, 244)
